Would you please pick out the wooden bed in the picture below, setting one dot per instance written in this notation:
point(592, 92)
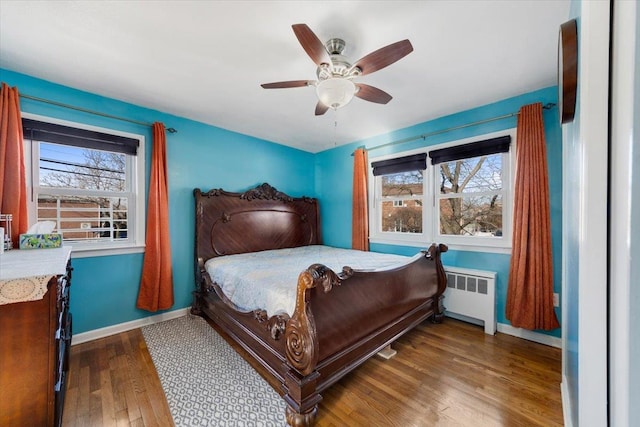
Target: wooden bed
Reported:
point(341, 319)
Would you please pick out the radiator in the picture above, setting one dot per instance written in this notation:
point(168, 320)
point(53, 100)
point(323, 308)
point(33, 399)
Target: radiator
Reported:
point(471, 296)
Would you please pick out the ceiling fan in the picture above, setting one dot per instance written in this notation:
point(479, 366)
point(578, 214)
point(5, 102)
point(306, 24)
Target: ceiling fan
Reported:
point(335, 87)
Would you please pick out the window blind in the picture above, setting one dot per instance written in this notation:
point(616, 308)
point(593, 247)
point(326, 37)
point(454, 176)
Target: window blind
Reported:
point(400, 164)
point(66, 135)
point(474, 149)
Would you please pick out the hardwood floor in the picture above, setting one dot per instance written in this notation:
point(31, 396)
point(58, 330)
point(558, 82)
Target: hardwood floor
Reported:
point(450, 374)
point(112, 382)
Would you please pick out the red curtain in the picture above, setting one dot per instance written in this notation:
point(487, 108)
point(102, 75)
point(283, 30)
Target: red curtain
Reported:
point(360, 219)
point(13, 181)
point(156, 285)
point(530, 291)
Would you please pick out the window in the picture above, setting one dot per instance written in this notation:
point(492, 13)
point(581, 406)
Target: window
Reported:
point(462, 197)
point(400, 184)
point(470, 197)
point(87, 180)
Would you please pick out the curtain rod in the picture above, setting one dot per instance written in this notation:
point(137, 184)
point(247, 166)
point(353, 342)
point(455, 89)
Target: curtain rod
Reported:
point(84, 110)
point(424, 136)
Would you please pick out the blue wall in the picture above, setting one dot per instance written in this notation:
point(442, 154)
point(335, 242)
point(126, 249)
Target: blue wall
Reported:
point(334, 177)
point(199, 155)
point(105, 288)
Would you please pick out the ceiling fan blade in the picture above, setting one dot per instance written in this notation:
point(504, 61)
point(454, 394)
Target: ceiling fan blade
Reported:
point(321, 108)
point(284, 85)
point(384, 56)
point(311, 44)
point(372, 94)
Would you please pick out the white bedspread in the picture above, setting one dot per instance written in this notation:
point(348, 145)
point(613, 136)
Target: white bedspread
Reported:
point(268, 279)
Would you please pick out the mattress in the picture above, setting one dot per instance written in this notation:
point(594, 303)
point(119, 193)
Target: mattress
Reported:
point(268, 280)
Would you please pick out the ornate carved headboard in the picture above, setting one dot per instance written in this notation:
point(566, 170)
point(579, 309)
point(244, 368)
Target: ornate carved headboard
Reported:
point(259, 219)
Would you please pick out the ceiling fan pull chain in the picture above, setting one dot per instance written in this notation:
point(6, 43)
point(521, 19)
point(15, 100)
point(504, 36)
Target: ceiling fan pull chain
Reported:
point(335, 128)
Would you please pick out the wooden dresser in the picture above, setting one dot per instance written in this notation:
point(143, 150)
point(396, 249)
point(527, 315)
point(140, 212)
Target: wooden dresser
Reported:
point(35, 336)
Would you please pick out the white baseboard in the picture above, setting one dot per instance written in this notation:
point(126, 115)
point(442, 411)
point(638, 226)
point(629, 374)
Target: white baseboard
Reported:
point(530, 335)
point(566, 402)
point(510, 330)
point(464, 318)
point(127, 326)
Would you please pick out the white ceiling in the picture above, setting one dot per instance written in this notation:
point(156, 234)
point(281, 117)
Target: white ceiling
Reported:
point(205, 60)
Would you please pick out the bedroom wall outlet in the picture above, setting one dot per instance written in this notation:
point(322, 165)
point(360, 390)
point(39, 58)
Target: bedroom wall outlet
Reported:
point(556, 300)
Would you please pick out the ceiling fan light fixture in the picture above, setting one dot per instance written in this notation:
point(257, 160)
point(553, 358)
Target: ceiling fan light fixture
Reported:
point(335, 92)
point(334, 86)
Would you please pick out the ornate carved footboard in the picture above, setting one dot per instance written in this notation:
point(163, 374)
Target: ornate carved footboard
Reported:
point(340, 320)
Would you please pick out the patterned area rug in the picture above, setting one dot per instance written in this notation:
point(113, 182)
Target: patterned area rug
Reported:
point(206, 382)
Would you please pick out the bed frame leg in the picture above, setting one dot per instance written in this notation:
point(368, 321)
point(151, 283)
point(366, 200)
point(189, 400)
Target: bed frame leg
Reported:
point(437, 318)
point(387, 352)
point(301, 398)
point(439, 312)
point(295, 419)
point(196, 308)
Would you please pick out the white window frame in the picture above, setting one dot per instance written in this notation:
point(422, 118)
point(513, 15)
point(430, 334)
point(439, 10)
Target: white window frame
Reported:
point(135, 171)
point(430, 213)
point(376, 235)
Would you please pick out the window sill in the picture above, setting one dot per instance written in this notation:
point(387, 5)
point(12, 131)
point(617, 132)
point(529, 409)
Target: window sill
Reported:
point(451, 245)
point(89, 252)
point(479, 248)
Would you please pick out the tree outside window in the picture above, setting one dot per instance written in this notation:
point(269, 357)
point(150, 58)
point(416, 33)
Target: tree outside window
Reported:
point(471, 196)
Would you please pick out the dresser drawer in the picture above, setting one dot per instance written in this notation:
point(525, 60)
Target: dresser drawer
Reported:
point(63, 346)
